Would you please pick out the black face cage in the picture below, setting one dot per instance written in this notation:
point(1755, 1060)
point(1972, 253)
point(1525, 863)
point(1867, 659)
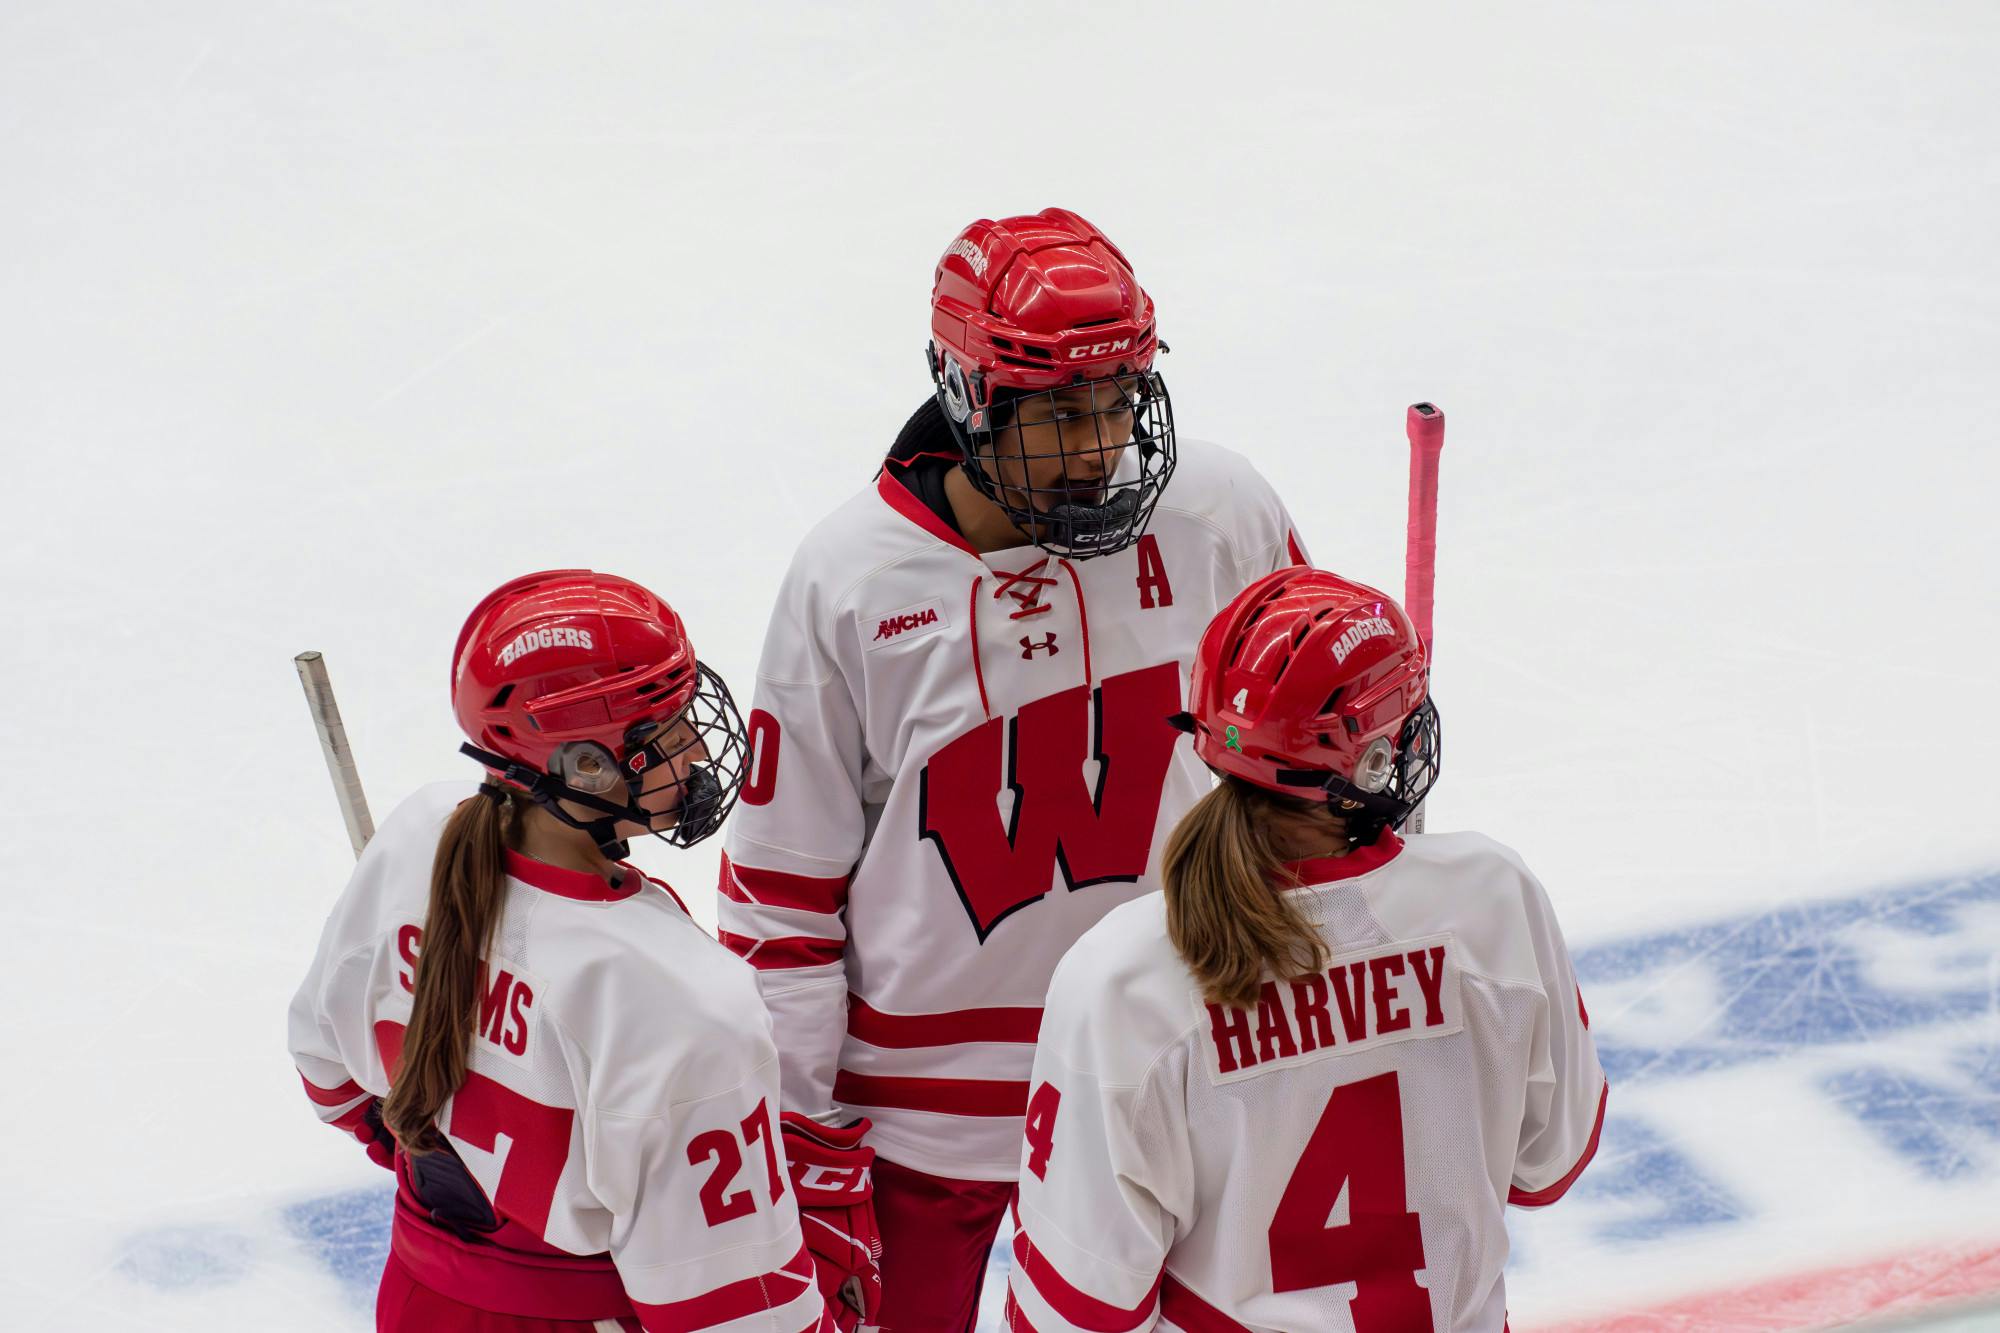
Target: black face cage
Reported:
point(583, 772)
point(1419, 759)
point(1077, 517)
point(708, 793)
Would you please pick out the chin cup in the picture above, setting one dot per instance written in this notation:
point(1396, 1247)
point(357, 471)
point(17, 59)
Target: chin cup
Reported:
point(702, 805)
point(1083, 528)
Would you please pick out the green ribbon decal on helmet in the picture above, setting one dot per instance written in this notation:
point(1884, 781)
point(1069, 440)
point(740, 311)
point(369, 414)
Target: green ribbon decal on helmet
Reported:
point(1235, 741)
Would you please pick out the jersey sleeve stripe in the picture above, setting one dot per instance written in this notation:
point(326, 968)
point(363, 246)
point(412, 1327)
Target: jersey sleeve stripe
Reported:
point(904, 1032)
point(946, 1096)
point(775, 888)
point(1011, 1317)
point(1078, 1308)
point(351, 1120)
point(331, 1096)
point(748, 1296)
point(1191, 1312)
point(784, 952)
point(1542, 1198)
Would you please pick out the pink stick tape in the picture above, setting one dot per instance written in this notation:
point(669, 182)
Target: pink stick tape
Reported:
point(1425, 425)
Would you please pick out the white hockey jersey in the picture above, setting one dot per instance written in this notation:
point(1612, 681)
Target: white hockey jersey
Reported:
point(961, 762)
point(620, 1107)
point(1337, 1157)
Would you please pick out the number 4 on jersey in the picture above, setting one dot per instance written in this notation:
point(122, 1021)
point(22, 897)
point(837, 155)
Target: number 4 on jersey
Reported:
point(1041, 1128)
point(1356, 1150)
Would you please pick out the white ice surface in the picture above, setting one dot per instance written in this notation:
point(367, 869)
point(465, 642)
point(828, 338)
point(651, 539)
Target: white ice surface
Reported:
point(318, 320)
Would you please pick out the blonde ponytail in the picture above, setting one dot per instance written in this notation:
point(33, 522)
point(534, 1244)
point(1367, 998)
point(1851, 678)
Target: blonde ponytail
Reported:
point(1222, 875)
point(468, 885)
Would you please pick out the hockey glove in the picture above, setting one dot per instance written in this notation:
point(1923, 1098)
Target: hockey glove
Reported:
point(367, 1126)
point(836, 1192)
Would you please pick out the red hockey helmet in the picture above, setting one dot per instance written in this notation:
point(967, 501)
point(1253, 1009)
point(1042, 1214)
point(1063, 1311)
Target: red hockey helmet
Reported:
point(1038, 305)
point(1038, 302)
point(567, 682)
point(1311, 681)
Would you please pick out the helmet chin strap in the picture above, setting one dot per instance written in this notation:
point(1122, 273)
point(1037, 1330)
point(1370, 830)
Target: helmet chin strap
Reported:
point(549, 792)
point(1369, 812)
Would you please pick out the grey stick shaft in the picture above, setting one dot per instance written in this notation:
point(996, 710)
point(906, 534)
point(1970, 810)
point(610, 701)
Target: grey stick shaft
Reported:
point(333, 743)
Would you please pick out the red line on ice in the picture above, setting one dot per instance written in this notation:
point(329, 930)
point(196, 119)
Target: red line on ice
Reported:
point(1920, 1281)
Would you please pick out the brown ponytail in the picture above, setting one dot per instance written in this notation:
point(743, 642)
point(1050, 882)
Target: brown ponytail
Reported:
point(1223, 870)
point(467, 887)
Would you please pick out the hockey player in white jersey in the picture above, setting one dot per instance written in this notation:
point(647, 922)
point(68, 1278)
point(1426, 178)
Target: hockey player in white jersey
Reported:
point(576, 1087)
point(961, 758)
point(1296, 1090)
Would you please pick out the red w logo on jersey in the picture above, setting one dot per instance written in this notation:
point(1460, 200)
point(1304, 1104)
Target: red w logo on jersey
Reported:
point(1097, 835)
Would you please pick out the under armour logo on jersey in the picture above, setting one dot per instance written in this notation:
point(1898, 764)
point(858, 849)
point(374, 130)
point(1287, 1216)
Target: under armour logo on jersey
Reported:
point(1048, 644)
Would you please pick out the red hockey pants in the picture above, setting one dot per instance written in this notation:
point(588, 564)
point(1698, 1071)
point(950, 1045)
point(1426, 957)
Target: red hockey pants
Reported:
point(936, 1233)
point(404, 1305)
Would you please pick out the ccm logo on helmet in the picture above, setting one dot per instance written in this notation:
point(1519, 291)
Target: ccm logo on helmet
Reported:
point(1360, 632)
point(537, 639)
point(1099, 349)
point(970, 253)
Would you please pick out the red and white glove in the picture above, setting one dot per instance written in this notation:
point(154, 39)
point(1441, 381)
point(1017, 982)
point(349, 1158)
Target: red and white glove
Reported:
point(364, 1122)
point(836, 1193)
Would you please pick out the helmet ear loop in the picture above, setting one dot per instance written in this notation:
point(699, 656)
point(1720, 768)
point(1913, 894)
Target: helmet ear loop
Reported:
point(585, 766)
point(549, 791)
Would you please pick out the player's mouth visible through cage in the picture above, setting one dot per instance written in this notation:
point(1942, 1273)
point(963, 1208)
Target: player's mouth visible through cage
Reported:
point(1080, 467)
point(708, 785)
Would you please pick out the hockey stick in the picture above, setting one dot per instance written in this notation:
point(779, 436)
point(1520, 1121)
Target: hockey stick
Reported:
point(333, 743)
point(1424, 424)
